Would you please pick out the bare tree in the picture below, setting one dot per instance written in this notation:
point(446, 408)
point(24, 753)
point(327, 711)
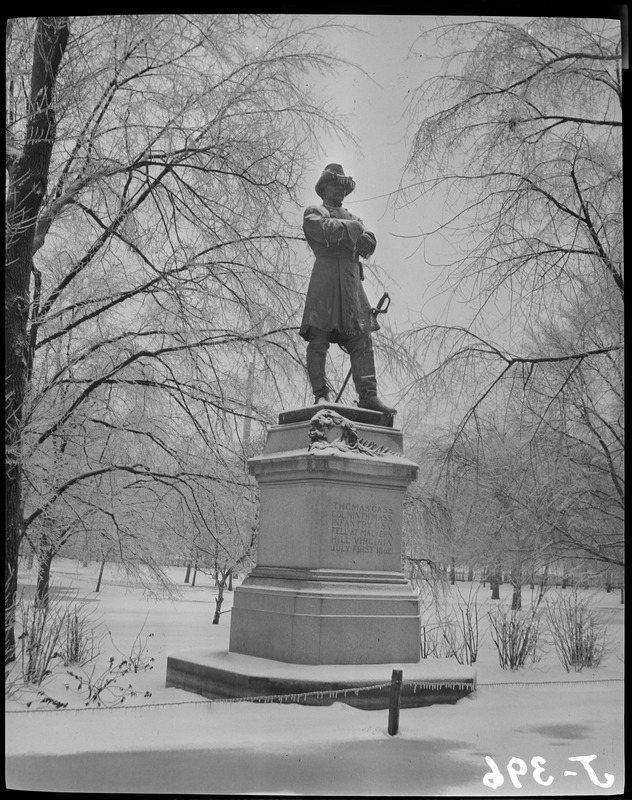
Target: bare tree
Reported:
point(148, 249)
point(526, 494)
point(525, 152)
point(520, 137)
point(28, 171)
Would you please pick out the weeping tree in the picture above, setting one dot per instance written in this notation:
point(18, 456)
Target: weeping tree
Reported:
point(519, 139)
point(153, 161)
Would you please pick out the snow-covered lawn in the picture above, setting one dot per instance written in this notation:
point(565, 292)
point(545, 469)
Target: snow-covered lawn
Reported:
point(169, 741)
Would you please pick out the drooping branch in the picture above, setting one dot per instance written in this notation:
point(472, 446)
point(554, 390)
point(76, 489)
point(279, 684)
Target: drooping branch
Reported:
point(616, 275)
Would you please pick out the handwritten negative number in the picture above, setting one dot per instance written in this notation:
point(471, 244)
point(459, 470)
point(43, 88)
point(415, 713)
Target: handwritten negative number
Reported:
point(516, 767)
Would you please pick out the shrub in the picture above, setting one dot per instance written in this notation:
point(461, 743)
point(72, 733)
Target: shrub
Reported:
point(48, 633)
point(137, 659)
point(54, 631)
point(459, 630)
point(431, 641)
point(515, 632)
point(579, 639)
point(39, 641)
point(102, 688)
point(79, 642)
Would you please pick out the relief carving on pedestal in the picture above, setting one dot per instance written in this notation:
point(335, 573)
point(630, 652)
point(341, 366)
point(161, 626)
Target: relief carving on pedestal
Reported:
point(347, 442)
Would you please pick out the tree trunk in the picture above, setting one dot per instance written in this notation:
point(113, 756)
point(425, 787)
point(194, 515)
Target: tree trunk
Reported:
point(98, 589)
point(221, 585)
point(543, 582)
point(187, 577)
point(495, 580)
point(515, 578)
point(218, 603)
point(194, 573)
point(230, 581)
point(27, 182)
point(470, 574)
point(452, 570)
point(42, 589)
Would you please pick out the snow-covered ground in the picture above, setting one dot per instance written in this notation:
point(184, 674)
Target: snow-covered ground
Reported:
point(539, 720)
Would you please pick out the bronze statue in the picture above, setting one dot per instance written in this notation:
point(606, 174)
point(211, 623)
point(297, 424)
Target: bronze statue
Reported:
point(336, 308)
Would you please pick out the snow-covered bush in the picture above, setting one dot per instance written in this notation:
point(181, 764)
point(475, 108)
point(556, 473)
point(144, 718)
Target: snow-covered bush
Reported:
point(80, 636)
point(137, 659)
point(455, 633)
point(579, 638)
point(54, 631)
point(431, 641)
point(42, 627)
point(101, 687)
point(516, 633)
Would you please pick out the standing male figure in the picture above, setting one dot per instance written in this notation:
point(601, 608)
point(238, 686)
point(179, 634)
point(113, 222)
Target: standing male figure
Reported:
point(336, 308)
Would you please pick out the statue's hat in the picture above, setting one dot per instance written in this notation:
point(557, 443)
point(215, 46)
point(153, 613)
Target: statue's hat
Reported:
point(334, 173)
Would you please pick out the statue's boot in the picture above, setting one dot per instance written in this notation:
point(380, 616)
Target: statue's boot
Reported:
point(316, 360)
point(363, 372)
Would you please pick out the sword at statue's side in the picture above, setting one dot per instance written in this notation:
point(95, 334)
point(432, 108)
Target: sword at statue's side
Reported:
point(380, 308)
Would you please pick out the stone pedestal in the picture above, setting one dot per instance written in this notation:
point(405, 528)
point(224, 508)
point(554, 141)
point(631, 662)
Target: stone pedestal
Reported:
point(327, 613)
point(328, 586)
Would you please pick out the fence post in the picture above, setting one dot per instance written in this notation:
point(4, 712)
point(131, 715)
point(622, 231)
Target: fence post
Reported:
point(393, 708)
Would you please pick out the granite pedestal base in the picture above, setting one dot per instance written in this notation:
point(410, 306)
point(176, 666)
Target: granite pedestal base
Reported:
point(302, 616)
point(328, 586)
point(222, 675)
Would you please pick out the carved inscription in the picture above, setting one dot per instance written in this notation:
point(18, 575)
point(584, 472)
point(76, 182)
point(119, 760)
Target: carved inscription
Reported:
point(362, 528)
